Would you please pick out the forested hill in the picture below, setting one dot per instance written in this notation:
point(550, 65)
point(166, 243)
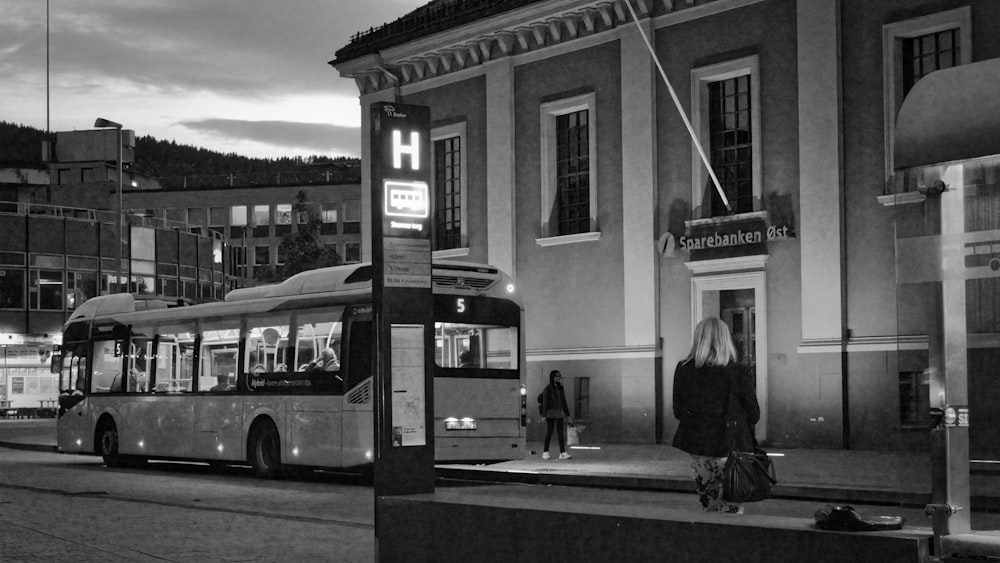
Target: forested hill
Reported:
point(21, 145)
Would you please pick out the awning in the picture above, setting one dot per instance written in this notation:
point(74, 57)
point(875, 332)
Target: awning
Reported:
point(951, 114)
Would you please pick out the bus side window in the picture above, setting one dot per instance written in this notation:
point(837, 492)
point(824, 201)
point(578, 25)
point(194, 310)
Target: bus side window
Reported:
point(139, 364)
point(359, 353)
point(106, 376)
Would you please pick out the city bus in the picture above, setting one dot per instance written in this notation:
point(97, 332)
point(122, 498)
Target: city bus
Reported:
point(237, 381)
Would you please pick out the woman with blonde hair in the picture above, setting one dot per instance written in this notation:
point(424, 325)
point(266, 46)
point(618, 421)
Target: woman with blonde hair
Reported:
point(715, 402)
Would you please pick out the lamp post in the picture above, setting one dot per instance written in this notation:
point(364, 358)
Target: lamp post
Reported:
point(101, 122)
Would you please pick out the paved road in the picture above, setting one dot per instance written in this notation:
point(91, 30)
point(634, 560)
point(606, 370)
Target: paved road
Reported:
point(71, 508)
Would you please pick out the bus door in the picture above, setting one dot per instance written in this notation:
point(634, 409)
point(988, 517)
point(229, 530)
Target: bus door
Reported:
point(358, 364)
point(73, 425)
point(316, 410)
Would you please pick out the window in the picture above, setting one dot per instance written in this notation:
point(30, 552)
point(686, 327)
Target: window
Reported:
point(80, 286)
point(569, 167)
point(237, 221)
point(352, 217)
point(282, 219)
point(914, 399)
point(328, 213)
point(240, 260)
point(731, 142)
point(352, 252)
point(460, 345)
point(46, 291)
point(725, 102)
point(220, 341)
point(261, 221)
point(140, 354)
point(174, 359)
point(913, 48)
point(238, 215)
point(195, 216)
point(11, 288)
point(107, 367)
point(581, 397)
point(267, 349)
point(217, 219)
point(449, 187)
point(262, 255)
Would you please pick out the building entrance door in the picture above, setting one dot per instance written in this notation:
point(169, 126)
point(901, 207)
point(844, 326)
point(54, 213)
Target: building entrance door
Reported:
point(740, 300)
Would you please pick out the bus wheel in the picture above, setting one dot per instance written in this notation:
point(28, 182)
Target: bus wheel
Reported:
point(108, 436)
point(265, 451)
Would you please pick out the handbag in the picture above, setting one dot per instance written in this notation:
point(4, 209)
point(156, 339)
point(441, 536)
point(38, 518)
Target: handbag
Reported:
point(748, 476)
point(572, 436)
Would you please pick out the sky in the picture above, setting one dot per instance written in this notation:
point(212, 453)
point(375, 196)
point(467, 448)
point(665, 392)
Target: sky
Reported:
point(249, 77)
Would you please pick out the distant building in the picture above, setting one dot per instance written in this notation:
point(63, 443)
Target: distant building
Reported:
point(190, 238)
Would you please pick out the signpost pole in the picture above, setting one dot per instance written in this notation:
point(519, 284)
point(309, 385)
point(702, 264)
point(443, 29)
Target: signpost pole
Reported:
point(403, 302)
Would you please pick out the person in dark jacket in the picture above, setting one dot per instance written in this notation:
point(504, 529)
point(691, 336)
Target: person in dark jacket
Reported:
point(716, 404)
point(556, 413)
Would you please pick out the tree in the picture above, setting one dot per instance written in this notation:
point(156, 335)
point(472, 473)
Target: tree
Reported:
point(303, 250)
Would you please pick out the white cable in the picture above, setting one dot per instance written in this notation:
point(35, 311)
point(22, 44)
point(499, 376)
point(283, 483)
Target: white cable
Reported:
point(680, 110)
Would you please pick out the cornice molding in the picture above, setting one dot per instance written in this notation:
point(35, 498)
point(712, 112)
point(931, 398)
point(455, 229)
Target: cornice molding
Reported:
point(530, 28)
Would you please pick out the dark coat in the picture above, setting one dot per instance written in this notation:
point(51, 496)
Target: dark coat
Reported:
point(554, 402)
point(709, 424)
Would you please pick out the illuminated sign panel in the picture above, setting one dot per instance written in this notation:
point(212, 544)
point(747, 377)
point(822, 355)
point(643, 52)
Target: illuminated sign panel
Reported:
point(406, 199)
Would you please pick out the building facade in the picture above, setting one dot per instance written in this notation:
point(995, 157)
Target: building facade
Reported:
point(638, 166)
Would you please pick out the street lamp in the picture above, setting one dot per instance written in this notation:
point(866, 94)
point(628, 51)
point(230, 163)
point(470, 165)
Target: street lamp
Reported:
point(101, 122)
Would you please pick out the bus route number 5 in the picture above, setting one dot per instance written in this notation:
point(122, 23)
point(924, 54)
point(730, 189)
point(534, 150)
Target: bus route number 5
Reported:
point(460, 304)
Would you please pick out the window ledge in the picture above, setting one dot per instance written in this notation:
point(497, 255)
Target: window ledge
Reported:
point(451, 253)
point(568, 239)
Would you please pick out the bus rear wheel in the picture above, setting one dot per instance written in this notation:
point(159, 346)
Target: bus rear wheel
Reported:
point(265, 451)
point(108, 440)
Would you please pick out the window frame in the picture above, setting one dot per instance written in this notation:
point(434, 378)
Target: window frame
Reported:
point(442, 133)
point(700, 122)
point(549, 111)
point(893, 34)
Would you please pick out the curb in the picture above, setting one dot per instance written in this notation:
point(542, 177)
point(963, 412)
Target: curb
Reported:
point(29, 447)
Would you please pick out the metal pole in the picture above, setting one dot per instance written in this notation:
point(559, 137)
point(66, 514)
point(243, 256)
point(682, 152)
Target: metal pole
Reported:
point(121, 213)
point(680, 110)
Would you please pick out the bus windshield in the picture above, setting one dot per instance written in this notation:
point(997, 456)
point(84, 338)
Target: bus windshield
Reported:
point(461, 345)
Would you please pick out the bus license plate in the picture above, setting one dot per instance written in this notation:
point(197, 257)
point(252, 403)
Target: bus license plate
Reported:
point(460, 425)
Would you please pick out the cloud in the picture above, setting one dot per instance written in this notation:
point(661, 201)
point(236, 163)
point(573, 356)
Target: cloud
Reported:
point(318, 138)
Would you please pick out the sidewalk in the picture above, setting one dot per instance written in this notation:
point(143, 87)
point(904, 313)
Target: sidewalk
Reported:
point(898, 478)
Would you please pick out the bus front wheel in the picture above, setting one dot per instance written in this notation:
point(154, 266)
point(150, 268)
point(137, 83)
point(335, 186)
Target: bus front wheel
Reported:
point(265, 451)
point(108, 439)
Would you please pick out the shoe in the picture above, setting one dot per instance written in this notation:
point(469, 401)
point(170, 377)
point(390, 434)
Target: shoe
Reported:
point(565, 455)
point(545, 455)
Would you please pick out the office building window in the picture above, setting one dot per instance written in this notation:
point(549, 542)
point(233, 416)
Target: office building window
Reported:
point(352, 252)
point(328, 214)
point(282, 219)
point(217, 219)
point(237, 221)
point(12, 288)
point(352, 217)
point(46, 290)
point(569, 166)
point(261, 221)
point(725, 113)
point(262, 255)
